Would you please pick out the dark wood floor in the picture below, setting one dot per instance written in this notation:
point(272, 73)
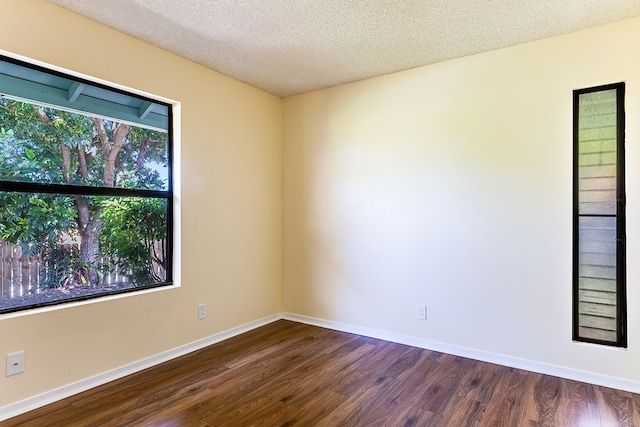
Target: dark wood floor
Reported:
point(290, 374)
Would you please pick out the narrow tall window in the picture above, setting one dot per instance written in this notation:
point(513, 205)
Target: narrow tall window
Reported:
point(599, 295)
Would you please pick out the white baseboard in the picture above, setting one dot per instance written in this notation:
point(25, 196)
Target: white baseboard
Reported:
point(513, 362)
point(40, 400)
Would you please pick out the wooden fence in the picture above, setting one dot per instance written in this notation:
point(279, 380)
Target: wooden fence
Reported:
point(20, 275)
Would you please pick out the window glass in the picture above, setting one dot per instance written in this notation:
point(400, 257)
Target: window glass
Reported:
point(85, 198)
point(599, 247)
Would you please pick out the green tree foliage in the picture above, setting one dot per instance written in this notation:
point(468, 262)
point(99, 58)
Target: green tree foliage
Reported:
point(49, 146)
point(26, 218)
point(134, 236)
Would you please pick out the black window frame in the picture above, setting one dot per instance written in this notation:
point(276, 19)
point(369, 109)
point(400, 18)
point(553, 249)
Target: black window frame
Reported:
point(74, 189)
point(620, 215)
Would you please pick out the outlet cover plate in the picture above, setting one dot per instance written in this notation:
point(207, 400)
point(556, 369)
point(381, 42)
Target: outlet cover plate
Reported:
point(421, 311)
point(15, 363)
point(202, 311)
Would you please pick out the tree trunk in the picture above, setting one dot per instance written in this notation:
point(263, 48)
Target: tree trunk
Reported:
point(89, 229)
point(111, 147)
point(66, 162)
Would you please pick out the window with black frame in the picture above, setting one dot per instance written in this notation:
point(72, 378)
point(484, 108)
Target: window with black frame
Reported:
point(85, 189)
point(599, 273)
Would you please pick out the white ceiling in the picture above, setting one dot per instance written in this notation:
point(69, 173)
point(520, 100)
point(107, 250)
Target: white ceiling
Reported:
point(287, 47)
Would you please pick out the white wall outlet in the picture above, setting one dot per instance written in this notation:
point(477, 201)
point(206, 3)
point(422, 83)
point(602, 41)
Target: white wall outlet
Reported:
point(15, 363)
point(421, 311)
point(202, 311)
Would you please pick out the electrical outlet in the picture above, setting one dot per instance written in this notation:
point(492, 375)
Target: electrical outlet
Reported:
point(15, 363)
point(202, 311)
point(421, 311)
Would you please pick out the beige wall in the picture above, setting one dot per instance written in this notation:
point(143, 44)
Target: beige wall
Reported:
point(451, 185)
point(231, 208)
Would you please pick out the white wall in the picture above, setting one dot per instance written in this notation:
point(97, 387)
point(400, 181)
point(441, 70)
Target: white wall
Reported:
point(451, 185)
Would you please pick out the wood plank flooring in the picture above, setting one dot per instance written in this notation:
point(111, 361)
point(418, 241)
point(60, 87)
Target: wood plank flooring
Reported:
point(291, 374)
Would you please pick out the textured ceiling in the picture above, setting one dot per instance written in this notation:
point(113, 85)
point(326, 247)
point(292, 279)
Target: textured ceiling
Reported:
point(287, 47)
